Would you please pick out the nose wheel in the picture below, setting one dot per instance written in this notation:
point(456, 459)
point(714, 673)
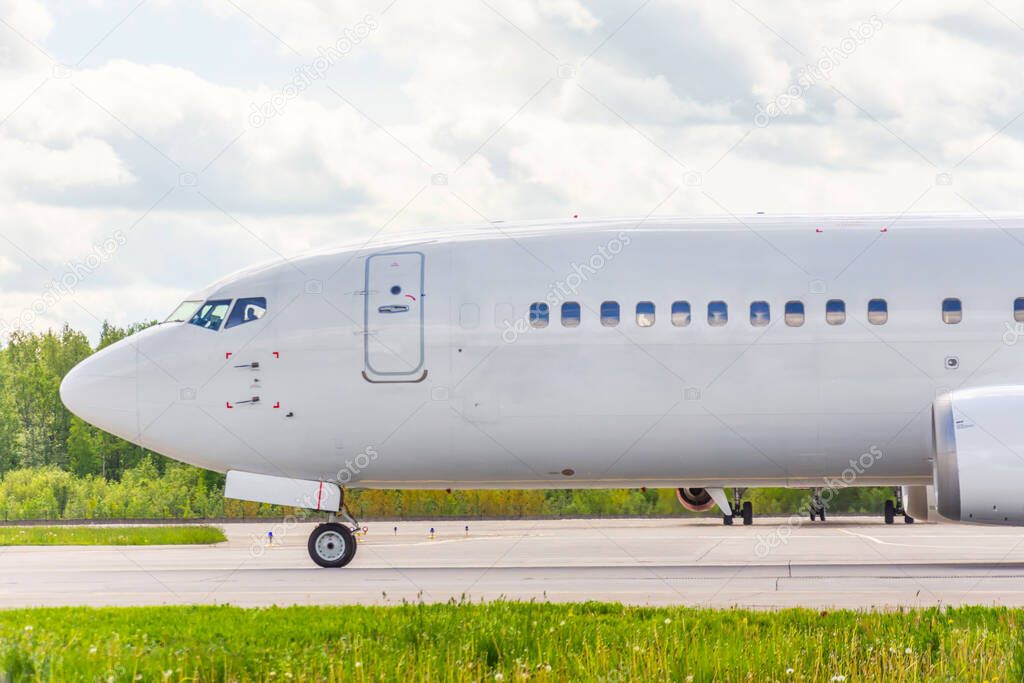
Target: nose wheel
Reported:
point(332, 545)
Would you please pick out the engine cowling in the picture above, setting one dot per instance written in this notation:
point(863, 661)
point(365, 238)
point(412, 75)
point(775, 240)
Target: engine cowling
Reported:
point(695, 500)
point(979, 455)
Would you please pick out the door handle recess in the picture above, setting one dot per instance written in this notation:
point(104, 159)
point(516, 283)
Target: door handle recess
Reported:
point(393, 308)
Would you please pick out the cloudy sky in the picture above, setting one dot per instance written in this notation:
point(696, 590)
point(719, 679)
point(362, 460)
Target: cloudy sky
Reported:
point(147, 148)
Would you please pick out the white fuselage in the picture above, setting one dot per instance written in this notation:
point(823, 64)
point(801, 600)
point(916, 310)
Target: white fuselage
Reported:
point(445, 382)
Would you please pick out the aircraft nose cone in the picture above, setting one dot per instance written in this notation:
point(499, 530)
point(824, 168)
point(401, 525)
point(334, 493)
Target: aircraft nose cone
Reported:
point(102, 390)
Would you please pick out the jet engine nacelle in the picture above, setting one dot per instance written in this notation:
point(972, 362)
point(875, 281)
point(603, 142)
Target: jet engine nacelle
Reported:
point(695, 500)
point(979, 455)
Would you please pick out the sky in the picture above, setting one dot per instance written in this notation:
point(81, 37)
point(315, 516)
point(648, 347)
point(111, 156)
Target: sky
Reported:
point(149, 148)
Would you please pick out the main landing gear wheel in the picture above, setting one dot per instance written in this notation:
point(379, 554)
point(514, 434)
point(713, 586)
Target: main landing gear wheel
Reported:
point(332, 545)
point(899, 508)
point(743, 510)
point(890, 512)
point(894, 510)
point(817, 506)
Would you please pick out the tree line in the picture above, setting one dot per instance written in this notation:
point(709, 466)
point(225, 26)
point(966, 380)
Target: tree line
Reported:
point(54, 465)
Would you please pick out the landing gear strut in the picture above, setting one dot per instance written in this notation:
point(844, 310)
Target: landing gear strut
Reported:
point(892, 509)
point(745, 509)
point(817, 508)
point(332, 544)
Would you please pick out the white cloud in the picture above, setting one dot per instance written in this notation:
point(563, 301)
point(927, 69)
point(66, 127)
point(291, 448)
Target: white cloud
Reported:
point(87, 161)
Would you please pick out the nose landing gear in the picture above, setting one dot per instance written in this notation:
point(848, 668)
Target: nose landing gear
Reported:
point(331, 544)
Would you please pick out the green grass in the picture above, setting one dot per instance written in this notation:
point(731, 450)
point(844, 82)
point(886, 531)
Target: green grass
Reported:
point(507, 641)
point(109, 535)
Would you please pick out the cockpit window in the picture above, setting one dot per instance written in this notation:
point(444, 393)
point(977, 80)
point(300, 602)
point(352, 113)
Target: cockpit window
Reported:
point(211, 314)
point(184, 312)
point(246, 311)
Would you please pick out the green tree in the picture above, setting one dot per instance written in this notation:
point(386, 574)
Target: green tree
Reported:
point(35, 365)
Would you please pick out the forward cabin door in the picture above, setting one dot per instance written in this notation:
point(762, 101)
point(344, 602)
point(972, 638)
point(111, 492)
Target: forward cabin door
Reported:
point(393, 317)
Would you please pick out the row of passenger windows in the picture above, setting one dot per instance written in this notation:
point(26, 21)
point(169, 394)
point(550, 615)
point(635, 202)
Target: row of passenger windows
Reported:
point(760, 313)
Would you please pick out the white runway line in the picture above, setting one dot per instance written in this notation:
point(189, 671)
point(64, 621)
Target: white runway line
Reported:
point(904, 545)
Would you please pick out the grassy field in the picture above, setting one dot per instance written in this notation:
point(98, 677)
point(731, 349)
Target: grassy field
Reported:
point(507, 641)
point(109, 535)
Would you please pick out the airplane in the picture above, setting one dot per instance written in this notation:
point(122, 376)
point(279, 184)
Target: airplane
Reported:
point(691, 353)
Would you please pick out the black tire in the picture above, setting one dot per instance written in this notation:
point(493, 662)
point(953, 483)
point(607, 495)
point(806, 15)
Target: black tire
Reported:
point(353, 547)
point(332, 545)
point(890, 512)
point(821, 513)
point(727, 520)
point(812, 514)
point(907, 519)
point(748, 513)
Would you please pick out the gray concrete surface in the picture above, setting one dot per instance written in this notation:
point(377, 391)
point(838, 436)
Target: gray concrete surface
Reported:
point(775, 563)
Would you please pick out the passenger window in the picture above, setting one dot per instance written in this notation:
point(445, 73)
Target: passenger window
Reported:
point(211, 314)
point(760, 313)
point(610, 313)
point(835, 312)
point(1018, 310)
point(794, 313)
point(645, 314)
point(570, 314)
point(539, 314)
point(718, 313)
point(952, 311)
point(878, 312)
point(680, 313)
